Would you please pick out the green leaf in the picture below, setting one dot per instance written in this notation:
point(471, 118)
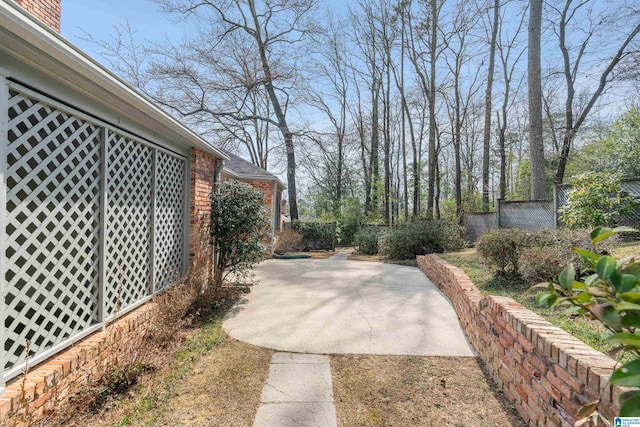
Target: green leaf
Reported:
point(543, 285)
point(628, 375)
point(567, 277)
point(588, 256)
point(608, 232)
point(630, 404)
point(584, 297)
point(571, 310)
point(597, 231)
point(605, 267)
point(608, 315)
point(546, 298)
point(625, 306)
point(597, 292)
point(625, 338)
point(579, 286)
point(591, 279)
point(633, 269)
point(623, 282)
point(624, 229)
point(630, 296)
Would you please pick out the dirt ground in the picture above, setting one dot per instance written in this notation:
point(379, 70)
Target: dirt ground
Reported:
point(377, 391)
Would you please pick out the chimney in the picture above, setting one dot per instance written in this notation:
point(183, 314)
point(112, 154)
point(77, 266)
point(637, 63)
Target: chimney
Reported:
point(47, 11)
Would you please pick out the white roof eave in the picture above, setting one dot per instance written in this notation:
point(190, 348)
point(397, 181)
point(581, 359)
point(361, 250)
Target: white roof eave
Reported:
point(236, 175)
point(53, 55)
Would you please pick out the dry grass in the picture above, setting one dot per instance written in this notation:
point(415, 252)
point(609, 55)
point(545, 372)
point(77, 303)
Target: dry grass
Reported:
point(223, 389)
point(315, 254)
point(175, 366)
point(377, 391)
point(364, 257)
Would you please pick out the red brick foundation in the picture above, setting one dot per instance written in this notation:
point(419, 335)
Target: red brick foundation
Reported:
point(547, 373)
point(49, 385)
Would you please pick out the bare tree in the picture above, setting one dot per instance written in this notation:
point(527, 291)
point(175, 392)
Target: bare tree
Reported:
point(593, 24)
point(510, 55)
point(330, 94)
point(488, 102)
point(536, 144)
point(459, 97)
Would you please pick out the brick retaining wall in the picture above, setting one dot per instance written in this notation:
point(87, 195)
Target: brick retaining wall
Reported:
point(546, 372)
point(49, 385)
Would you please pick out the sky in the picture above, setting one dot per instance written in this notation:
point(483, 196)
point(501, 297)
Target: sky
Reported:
point(100, 17)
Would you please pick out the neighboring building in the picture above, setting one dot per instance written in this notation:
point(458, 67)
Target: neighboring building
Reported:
point(241, 170)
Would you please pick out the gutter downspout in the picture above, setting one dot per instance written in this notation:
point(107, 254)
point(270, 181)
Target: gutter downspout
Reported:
point(275, 220)
point(216, 180)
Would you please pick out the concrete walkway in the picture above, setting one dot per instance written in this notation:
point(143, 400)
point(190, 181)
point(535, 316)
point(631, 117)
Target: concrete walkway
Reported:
point(298, 393)
point(339, 306)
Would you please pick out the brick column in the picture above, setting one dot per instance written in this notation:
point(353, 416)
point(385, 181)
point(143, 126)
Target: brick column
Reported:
point(203, 171)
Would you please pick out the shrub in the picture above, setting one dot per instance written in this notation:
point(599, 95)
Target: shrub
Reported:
point(548, 251)
point(610, 295)
point(532, 254)
point(421, 237)
point(289, 240)
point(542, 264)
point(349, 221)
point(316, 235)
point(597, 199)
point(502, 249)
point(239, 224)
point(366, 241)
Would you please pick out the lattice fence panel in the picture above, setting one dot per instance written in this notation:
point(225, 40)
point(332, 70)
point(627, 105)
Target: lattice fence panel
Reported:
point(476, 224)
point(527, 215)
point(53, 205)
point(129, 167)
point(169, 219)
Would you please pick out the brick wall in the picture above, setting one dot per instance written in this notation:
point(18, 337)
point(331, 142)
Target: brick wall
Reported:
point(547, 373)
point(48, 11)
point(48, 386)
point(203, 170)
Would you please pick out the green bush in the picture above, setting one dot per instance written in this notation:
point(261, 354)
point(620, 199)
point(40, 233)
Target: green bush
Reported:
point(421, 237)
point(239, 224)
point(531, 253)
point(316, 235)
point(349, 221)
point(597, 199)
point(366, 241)
point(548, 251)
point(502, 249)
point(610, 294)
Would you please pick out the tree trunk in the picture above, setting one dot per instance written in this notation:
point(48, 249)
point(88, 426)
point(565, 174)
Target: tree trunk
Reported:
point(536, 146)
point(487, 108)
point(432, 109)
point(280, 115)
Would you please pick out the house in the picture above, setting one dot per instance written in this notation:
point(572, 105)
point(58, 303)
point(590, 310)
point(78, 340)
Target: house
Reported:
point(241, 170)
point(104, 200)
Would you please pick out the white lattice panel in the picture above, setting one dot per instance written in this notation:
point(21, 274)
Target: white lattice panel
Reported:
point(169, 219)
point(129, 179)
point(53, 196)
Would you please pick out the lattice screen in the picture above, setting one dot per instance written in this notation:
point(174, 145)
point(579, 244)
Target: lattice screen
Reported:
point(169, 219)
point(128, 222)
point(53, 196)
